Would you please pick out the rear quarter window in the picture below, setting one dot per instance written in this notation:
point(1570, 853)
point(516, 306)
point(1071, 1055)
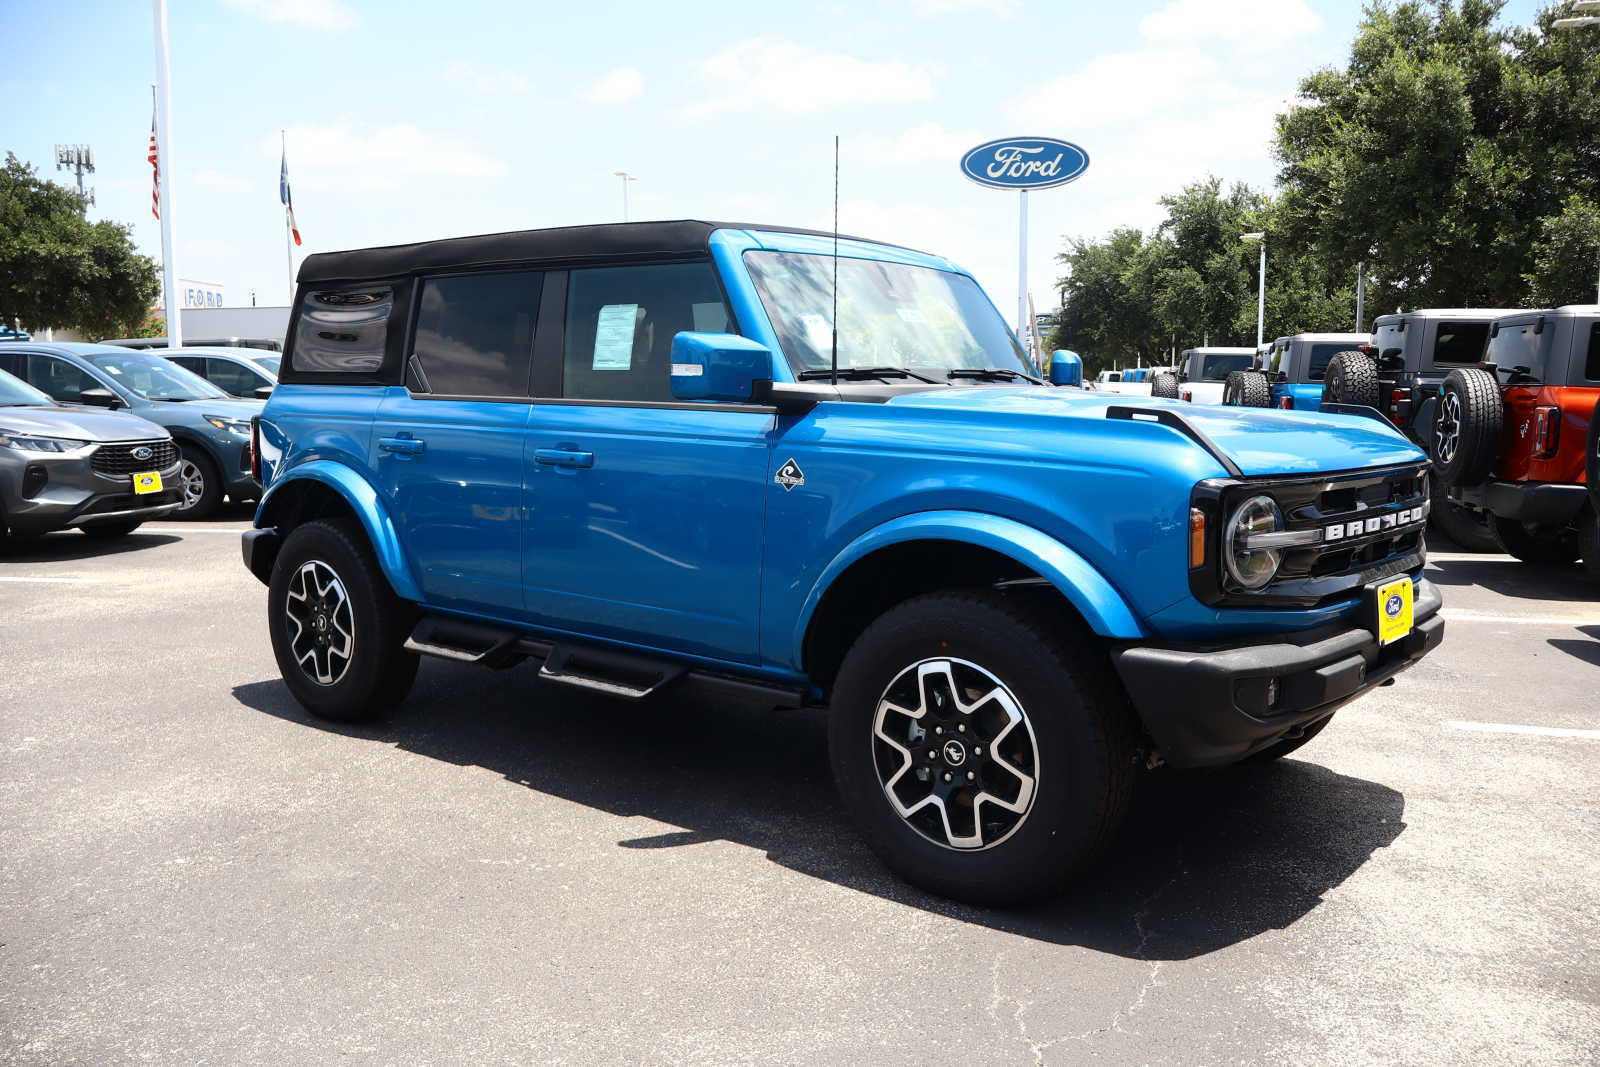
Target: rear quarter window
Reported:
point(342, 331)
point(1591, 365)
point(1458, 343)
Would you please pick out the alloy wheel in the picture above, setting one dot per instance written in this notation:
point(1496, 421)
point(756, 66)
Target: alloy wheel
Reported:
point(322, 626)
point(955, 754)
point(1447, 435)
point(192, 480)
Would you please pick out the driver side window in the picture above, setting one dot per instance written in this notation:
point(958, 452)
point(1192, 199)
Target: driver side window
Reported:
point(60, 379)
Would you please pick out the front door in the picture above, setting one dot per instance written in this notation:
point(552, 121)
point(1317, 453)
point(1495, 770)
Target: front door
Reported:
point(447, 446)
point(644, 515)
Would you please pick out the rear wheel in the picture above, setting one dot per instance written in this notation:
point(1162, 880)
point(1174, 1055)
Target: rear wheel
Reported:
point(1533, 544)
point(1351, 378)
point(108, 530)
point(1165, 386)
point(1466, 427)
point(984, 749)
point(1246, 389)
point(338, 631)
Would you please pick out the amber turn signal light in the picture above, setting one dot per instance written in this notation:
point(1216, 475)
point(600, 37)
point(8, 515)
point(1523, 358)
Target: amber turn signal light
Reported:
point(1197, 538)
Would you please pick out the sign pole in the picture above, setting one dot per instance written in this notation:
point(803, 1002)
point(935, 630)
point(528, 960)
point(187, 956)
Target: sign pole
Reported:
point(1022, 265)
point(169, 269)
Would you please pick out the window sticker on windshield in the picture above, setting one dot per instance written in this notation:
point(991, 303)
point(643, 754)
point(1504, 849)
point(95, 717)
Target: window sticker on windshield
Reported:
point(613, 337)
point(818, 332)
point(911, 315)
point(113, 368)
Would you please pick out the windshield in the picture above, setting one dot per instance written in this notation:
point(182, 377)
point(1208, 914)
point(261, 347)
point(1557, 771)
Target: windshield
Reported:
point(154, 378)
point(890, 315)
point(270, 362)
point(1217, 368)
point(14, 392)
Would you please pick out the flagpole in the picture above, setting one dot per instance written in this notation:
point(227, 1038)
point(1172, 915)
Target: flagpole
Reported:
point(288, 243)
point(169, 269)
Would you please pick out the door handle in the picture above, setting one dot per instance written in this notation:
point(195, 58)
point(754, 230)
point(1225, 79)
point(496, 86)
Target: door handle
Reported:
point(404, 445)
point(560, 457)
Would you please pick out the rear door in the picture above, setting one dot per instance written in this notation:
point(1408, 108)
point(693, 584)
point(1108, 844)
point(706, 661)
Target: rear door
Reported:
point(448, 444)
point(645, 514)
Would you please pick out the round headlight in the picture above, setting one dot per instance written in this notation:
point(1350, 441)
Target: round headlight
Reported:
point(1252, 568)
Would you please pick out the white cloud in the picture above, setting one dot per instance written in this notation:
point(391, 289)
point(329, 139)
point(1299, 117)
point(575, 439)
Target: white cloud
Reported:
point(215, 179)
point(322, 14)
point(1252, 24)
point(946, 7)
point(615, 87)
point(486, 81)
point(925, 143)
point(1122, 87)
point(771, 74)
point(361, 155)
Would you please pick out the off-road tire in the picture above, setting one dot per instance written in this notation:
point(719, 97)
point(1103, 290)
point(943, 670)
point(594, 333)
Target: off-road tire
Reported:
point(379, 671)
point(1246, 389)
point(210, 498)
point(1164, 386)
point(1535, 546)
point(1351, 378)
point(1279, 749)
point(1083, 730)
point(1467, 527)
point(1466, 426)
point(1589, 544)
point(106, 531)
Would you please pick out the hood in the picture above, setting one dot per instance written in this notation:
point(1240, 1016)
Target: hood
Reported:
point(232, 407)
point(79, 423)
point(1258, 440)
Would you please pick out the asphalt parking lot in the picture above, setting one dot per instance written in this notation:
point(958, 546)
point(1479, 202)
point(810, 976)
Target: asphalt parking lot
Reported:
point(196, 872)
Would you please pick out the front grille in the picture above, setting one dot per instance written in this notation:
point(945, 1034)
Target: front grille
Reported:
point(118, 459)
point(1368, 525)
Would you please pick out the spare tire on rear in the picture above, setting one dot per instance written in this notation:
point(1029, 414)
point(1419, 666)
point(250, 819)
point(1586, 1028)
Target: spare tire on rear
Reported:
point(1246, 389)
point(1164, 385)
point(1351, 378)
point(1466, 426)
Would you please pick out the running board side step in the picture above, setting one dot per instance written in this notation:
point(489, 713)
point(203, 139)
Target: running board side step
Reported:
point(625, 675)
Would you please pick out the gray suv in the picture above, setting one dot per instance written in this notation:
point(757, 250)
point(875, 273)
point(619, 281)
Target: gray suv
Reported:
point(212, 430)
point(103, 472)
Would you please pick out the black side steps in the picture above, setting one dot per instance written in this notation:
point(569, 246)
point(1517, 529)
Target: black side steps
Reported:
point(619, 674)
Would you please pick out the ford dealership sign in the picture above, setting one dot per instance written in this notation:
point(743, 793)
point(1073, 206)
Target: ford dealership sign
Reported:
point(1025, 163)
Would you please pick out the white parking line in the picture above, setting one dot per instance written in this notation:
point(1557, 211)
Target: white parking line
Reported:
point(1469, 557)
point(72, 581)
point(1551, 620)
point(1507, 728)
point(196, 529)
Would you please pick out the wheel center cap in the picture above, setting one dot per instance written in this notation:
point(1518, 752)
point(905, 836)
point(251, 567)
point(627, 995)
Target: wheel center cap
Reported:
point(955, 753)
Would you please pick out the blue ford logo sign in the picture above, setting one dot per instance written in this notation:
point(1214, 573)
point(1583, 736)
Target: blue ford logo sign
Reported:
point(1025, 163)
point(1392, 608)
point(144, 452)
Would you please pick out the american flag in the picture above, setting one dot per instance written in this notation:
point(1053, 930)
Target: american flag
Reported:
point(155, 168)
point(283, 194)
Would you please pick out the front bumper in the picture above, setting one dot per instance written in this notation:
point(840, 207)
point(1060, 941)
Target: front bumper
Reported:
point(71, 494)
point(1205, 705)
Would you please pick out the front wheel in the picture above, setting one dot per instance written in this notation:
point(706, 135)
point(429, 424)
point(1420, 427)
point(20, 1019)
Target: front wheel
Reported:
point(200, 483)
point(338, 631)
point(1532, 544)
point(983, 747)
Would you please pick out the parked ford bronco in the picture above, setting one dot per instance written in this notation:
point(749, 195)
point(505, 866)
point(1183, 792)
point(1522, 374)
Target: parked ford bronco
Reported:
point(624, 452)
point(1201, 373)
point(1515, 439)
point(1289, 372)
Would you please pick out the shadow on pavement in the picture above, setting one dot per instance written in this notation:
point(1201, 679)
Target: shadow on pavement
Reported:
point(69, 545)
point(1208, 859)
point(1513, 578)
point(1588, 651)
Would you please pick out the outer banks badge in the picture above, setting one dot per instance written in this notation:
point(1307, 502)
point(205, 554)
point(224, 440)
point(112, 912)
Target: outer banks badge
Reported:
point(789, 475)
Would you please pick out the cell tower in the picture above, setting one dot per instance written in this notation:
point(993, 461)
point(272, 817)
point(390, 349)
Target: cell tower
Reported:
point(78, 158)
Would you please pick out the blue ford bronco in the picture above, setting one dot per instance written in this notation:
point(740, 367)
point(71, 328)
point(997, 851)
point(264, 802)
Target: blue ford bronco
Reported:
point(625, 453)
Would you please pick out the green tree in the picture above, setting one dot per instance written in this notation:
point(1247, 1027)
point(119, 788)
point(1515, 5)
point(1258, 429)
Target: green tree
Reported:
point(1566, 256)
point(1107, 317)
point(60, 271)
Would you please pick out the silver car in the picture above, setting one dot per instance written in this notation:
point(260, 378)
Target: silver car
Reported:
point(64, 466)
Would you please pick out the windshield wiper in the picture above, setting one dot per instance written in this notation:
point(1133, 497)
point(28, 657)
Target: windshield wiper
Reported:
point(856, 374)
point(993, 374)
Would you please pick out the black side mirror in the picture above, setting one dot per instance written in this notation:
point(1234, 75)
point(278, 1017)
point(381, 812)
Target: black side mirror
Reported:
point(263, 392)
point(99, 398)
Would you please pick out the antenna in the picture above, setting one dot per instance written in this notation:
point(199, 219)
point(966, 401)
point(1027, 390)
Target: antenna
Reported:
point(834, 380)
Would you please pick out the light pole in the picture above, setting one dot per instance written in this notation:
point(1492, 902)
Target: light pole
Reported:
point(626, 178)
point(1572, 24)
point(1261, 290)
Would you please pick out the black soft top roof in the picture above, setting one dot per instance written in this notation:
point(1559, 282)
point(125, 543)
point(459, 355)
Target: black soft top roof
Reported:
point(572, 245)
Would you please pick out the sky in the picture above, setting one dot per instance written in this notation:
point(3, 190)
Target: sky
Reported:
point(409, 121)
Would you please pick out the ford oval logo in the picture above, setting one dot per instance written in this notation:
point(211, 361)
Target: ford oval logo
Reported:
point(1025, 163)
point(143, 452)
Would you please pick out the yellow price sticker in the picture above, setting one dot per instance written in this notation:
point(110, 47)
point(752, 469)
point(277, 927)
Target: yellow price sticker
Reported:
point(1395, 607)
point(147, 483)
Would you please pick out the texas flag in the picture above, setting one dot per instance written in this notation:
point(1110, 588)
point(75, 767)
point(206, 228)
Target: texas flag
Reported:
point(283, 194)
